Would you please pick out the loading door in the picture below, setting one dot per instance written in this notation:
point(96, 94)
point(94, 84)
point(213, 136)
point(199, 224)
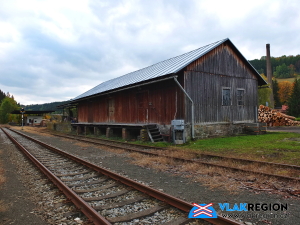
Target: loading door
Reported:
point(111, 110)
point(90, 112)
point(142, 107)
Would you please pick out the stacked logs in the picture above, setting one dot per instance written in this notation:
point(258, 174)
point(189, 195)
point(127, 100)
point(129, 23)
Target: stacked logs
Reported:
point(274, 118)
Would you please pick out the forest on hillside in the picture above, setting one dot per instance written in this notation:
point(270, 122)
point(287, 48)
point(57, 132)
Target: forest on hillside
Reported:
point(34, 107)
point(9, 104)
point(285, 91)
point(44, 107)
point(282, 67)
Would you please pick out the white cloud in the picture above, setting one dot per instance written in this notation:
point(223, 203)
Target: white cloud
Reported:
point(55, 50)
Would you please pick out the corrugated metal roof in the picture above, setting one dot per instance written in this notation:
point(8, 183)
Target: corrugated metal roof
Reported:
point(169, 66)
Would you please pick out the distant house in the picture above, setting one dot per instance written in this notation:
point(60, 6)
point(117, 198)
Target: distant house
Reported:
point(213, 89)
point(32, 118)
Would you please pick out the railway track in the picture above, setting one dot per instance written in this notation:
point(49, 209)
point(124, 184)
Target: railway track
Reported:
point(103, 196)
point(240, 165)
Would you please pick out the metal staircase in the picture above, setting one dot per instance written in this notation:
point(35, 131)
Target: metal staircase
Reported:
point(154, 133)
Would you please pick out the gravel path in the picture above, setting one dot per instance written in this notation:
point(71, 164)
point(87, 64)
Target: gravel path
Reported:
point(19, 207)
point(295, 129)
point(178, 186)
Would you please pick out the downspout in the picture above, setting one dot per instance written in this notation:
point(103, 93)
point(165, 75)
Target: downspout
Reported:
point(186, 94)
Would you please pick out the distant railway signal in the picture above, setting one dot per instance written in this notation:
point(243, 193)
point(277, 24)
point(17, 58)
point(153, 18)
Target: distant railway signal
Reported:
point(22, 111)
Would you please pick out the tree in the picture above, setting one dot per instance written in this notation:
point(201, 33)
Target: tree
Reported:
point(285, 89)
point(297, 66)
point(294, 101)
point(292, 70)
point(276, 61)
point(277, 101)
point(282, 71)
point(2, 95)
point(264, 95)
point(7, 106)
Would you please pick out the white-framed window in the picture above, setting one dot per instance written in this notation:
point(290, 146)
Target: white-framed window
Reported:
point(240, 93)
point(226, 96)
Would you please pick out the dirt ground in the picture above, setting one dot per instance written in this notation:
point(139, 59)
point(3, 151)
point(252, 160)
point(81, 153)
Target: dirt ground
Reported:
point(19, 211)
point(15, 207)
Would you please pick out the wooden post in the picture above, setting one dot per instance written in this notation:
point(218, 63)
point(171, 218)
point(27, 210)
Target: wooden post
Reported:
point(109, 132)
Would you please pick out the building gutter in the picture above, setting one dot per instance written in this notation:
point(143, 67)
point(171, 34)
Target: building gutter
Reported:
point(193, 109)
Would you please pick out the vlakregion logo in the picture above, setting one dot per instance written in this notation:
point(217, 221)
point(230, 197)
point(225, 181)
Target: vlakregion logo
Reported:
point(203, 211)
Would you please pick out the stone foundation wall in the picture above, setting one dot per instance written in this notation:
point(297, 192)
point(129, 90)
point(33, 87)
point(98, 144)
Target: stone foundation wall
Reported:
point(166, 132)
point(164, 129)
point(213, 130)
point(207, 130)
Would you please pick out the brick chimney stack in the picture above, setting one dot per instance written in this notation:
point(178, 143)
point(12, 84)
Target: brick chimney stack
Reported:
point(269, 75)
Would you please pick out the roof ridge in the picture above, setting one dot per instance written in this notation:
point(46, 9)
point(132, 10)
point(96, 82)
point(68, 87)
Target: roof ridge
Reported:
point(165, 67)
point(211, 44)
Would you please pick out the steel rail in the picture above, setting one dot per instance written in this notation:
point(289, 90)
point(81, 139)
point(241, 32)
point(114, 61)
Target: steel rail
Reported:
point(171, 200)
point(91, 213)
point(252, 161)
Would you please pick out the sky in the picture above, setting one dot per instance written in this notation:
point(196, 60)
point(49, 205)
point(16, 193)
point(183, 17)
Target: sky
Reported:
point(55, 50)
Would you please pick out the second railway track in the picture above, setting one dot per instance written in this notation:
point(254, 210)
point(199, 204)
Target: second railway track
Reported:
point(291, 172)
point(103, 196)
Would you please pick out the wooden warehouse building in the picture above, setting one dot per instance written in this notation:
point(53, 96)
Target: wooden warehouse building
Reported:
point(214, 89)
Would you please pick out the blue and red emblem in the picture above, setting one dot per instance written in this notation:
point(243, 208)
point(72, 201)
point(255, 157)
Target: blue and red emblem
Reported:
point(203, 211)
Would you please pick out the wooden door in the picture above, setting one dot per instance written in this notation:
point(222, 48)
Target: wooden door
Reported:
point(90, 112)
point(142, 107)
point(111, 110)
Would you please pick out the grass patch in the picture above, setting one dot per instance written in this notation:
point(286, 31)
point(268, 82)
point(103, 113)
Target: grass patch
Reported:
point(280, 147)
point(116, 138)
point(273, 146)
point(214, 177)
point(155, 144)
point(291, 79)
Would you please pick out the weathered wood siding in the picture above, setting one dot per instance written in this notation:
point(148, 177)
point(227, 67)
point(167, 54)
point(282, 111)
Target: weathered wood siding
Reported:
point(161, 102)
point(204, 80)
point(155, 103)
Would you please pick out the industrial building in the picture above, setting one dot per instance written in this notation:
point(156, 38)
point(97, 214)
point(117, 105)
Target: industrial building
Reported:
point(206, 92)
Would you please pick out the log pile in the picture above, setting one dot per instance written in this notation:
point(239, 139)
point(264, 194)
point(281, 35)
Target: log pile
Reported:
point(274, 118)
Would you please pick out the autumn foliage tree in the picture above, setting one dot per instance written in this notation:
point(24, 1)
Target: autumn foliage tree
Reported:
point(285, 89)
point(292, 70)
